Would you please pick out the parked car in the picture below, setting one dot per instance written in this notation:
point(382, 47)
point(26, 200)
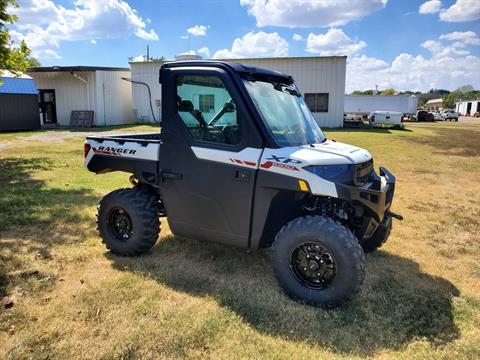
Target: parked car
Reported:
point(450, 115)
point(437, 116)
point(377, 118)
point(424, 115)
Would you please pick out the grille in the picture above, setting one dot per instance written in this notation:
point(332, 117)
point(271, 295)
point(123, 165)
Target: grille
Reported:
point(362, 172)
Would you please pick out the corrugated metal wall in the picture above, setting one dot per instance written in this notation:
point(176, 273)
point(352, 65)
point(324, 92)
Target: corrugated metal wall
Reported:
point(19, 112)
point(70, 93)
point(312, 75)
point(113, 98)
point(149, 74)
point(103, 88)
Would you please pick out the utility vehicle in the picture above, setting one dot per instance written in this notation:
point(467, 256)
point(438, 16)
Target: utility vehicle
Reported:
point(240, 160)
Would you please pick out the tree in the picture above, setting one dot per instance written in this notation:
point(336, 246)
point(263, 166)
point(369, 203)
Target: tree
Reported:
point(14, 59)
point(388, 91)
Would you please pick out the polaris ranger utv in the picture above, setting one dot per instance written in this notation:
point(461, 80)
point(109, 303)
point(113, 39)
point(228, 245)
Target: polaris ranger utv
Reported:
point(240, 160)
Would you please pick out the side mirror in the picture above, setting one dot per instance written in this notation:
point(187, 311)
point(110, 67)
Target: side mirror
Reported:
point(229, 107)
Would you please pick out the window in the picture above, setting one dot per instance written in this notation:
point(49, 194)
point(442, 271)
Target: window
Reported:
point(207, 103)
point(317, 102)
point(207, 109)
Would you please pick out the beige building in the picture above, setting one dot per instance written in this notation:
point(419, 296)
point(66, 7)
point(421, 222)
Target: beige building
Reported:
point(63, 89)
point(434, 105)
point(321, 80)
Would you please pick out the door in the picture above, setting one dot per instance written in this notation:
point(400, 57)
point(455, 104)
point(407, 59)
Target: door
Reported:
point(48, 109)
point(209, 156)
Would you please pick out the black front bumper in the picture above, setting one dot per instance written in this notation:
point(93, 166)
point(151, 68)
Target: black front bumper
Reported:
point(372, 197)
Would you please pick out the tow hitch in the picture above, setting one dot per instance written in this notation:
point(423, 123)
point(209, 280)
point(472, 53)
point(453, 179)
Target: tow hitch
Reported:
point(392, 214)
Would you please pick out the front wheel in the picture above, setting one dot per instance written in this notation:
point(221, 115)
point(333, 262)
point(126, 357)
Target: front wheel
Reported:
point(128, 221)
point(318, 261)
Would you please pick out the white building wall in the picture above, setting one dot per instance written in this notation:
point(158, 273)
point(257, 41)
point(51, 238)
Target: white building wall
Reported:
point(311, 74)
point(149, 74)
point(113, 98)
point(70, 92)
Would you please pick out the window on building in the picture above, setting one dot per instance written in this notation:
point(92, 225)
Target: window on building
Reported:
point(207, 102)
point(207, 109)
point(317, 102)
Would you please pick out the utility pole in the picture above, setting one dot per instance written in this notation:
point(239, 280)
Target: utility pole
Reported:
point(148, 53)
point(376, 90)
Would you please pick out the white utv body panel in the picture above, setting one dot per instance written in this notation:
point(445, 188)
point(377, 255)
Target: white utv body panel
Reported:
point(291, 161)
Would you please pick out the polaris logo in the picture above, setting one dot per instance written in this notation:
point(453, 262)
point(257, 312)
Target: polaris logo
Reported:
point(116, 150)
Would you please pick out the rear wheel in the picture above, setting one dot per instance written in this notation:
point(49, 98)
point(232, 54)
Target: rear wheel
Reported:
point(318, 261)
point(128, 221)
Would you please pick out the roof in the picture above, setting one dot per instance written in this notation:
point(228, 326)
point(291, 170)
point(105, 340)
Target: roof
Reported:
point(245, 70)
point(434, 101)
point(257, 58)
point(74, 68)
point(21, 84)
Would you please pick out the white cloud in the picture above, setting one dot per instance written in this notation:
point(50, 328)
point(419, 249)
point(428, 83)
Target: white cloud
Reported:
point(462, 10)
point(439, 50)
point(297, 37)
point(310, 13)
point(93, 42)
point(333, 42)
point(198, 30)
point(253, 44)
point(140, 58)
point(44, 25)
point(446, 69)
point(204, 51)
point(466, 37)
point(430, 7)
point(184, 37)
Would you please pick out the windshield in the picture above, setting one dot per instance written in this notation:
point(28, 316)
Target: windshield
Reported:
point(285, 113)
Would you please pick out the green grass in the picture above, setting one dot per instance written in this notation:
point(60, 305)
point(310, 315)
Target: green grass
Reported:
point(63, 296)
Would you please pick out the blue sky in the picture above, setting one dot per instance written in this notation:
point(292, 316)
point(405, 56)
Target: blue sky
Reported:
point(403, 44)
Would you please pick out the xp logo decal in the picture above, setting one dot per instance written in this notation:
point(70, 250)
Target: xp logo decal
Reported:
point(281, 162)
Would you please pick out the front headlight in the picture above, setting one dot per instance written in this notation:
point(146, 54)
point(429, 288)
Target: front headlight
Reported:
point(338, 173)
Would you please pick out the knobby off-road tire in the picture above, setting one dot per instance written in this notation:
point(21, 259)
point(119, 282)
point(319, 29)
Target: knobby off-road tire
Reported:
point(379, 237)
point(137, 210)
point(333, 239)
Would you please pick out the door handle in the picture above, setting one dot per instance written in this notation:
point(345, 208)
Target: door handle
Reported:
point(241, 175)
point(171, 176)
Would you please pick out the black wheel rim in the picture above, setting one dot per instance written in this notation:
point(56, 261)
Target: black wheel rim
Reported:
point(120, 224)
point(313, 265)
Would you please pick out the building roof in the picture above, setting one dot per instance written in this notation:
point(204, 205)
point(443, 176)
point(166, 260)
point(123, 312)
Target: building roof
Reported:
point(16, 84)
point(74, 68)
point(257, 58)
point(435, 101)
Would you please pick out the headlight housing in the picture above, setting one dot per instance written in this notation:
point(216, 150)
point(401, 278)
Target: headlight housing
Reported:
point(337, 173)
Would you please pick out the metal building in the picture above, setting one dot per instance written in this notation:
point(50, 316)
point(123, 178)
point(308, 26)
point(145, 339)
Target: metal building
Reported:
point(18, 102)
point(64, 89)
point(468, 107)
point(365, 104)
point(321, 80)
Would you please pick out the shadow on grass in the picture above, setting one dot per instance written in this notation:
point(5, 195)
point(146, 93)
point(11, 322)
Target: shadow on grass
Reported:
point(34, 217)
point(450, 141)
point(397, 305)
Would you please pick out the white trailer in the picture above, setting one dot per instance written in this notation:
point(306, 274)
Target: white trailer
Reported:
point(366, 104)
